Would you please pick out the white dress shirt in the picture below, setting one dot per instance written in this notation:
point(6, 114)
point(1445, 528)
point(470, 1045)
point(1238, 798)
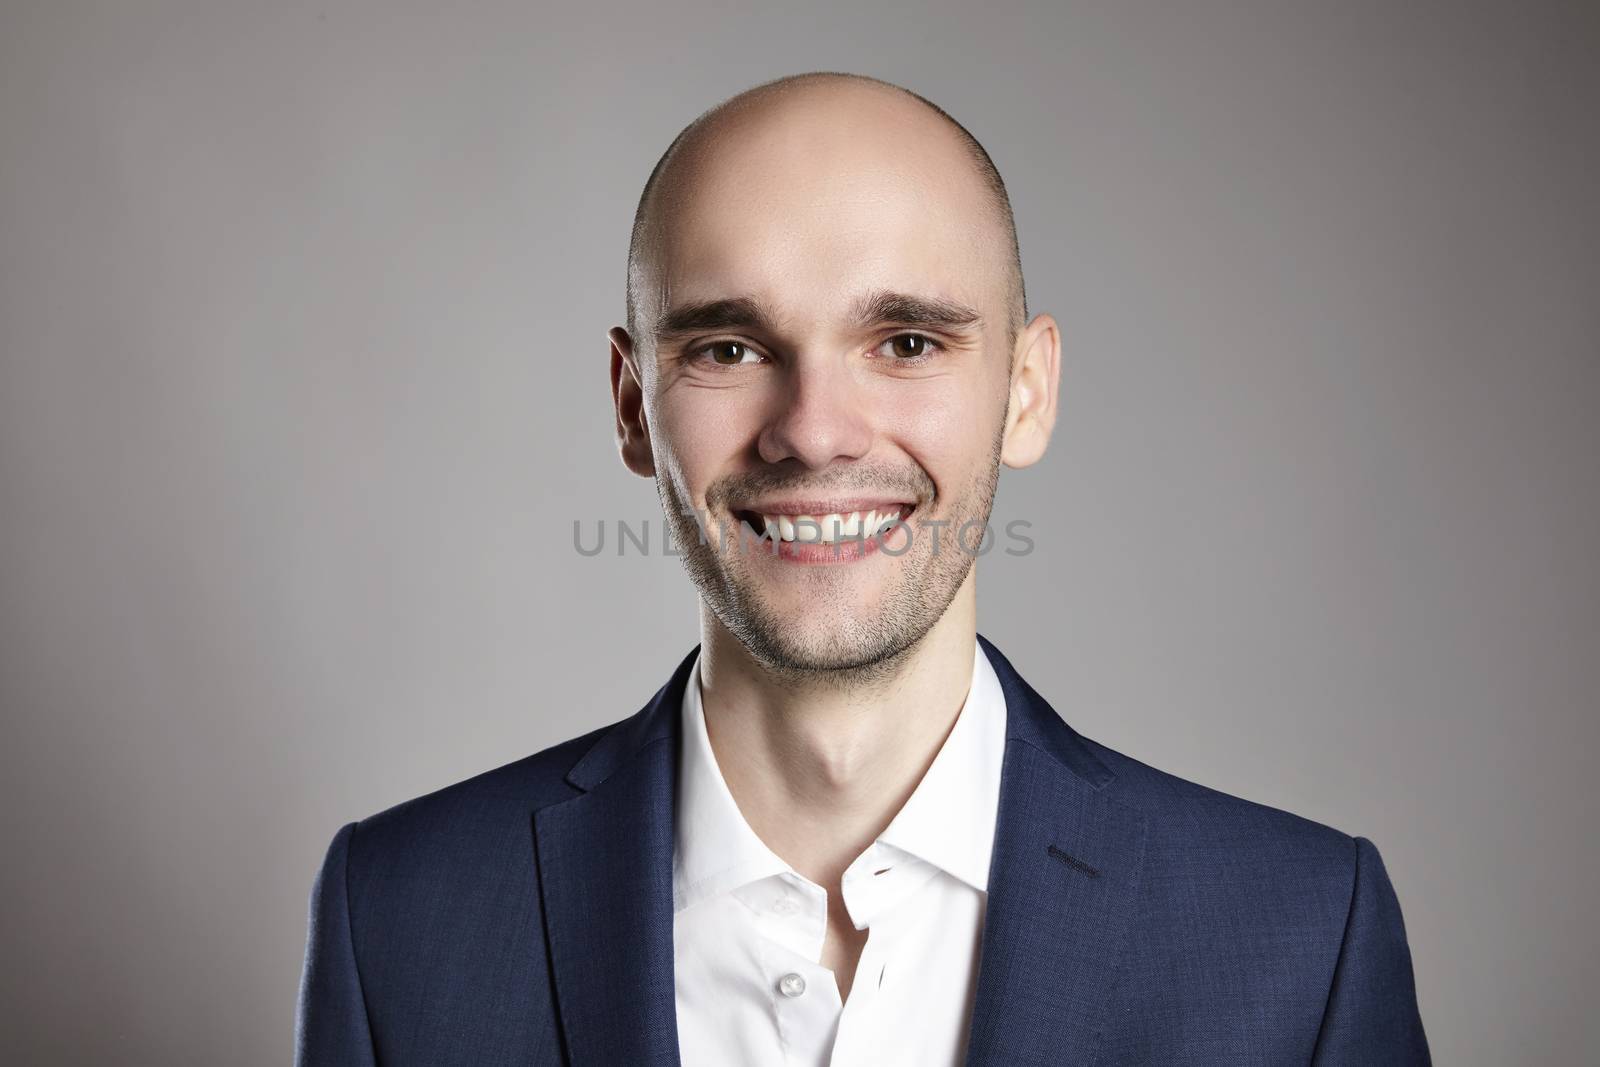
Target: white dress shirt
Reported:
point(748, 929)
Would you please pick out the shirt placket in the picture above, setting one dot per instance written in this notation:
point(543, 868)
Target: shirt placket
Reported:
point(791, 914)
point(876, 888)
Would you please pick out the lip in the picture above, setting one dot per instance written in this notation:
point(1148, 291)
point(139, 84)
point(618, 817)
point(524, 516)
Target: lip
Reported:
point(819, 552)
point(826, 506)
point(842, 505)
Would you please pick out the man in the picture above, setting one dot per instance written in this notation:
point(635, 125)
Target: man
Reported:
point(846, 830)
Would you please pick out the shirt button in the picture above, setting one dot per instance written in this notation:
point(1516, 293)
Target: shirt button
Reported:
point(791, 985)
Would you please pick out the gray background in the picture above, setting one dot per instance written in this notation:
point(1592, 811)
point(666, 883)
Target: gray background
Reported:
point(302, 319)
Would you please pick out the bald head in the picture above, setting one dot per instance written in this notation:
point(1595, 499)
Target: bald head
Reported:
point(714, 142)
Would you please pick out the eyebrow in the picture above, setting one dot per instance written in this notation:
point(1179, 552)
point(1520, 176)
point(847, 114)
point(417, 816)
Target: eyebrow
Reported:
point(883, 308)
point(880, 307)
point(735, 313)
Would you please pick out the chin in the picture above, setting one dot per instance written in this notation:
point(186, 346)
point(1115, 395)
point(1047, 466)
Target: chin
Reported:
point(846, 642)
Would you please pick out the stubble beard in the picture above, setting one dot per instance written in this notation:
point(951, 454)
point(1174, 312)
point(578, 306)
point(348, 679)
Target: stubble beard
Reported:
point(838, 640)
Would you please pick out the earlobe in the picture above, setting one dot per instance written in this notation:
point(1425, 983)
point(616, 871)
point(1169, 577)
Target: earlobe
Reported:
point(627, 399)
point(1034, 379)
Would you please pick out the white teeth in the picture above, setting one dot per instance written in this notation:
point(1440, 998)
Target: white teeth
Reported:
point(828, 528)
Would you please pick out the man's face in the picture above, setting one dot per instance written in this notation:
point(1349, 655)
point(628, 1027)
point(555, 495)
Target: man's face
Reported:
point(826, 345)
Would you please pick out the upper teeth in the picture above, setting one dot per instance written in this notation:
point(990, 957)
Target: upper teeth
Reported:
point(832, 527)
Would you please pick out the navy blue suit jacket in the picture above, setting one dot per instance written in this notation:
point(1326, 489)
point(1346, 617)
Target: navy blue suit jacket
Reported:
point(525, 917)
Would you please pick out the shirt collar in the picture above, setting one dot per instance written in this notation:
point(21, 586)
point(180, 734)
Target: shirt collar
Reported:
point(715, 849)
point(948, 820)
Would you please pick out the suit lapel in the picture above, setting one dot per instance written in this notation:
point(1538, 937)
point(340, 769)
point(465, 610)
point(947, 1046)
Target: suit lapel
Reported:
point(1064, 874)
point(605, 876)
point(1063, 878)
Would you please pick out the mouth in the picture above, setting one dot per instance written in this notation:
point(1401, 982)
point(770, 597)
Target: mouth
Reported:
point(824, 522)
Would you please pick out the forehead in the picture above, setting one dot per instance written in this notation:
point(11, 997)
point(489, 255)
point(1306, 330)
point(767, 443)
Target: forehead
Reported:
point(808, 204)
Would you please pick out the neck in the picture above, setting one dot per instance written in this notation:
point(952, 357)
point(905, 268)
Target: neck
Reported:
point(819, 767)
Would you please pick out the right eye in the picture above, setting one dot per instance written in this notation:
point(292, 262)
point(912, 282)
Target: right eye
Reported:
point(728, 353)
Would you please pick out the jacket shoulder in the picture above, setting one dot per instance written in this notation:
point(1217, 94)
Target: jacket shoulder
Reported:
point(438, 893)
point(1186, 820)
point(484, 811)
point(1198, 824)
point(487, 820)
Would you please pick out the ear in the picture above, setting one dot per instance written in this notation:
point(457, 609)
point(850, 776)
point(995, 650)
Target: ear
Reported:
point(1035, 374)
point(627, 396)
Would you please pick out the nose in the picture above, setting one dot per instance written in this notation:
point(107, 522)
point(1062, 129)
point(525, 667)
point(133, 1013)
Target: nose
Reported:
point(819, 416)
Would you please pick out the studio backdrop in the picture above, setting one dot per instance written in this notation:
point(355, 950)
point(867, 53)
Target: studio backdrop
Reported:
point(303, 403)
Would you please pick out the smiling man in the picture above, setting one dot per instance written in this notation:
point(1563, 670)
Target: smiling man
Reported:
point(846, 830)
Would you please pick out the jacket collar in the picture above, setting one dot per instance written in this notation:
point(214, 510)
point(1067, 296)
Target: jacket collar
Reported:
point(605, 878)
point(1065, 870)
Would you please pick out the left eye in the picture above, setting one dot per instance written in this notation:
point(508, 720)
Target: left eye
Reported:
point(730, 353)
point(907, 347)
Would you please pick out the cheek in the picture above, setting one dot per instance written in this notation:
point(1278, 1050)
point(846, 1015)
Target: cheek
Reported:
point(702, 432)
point(947, 425)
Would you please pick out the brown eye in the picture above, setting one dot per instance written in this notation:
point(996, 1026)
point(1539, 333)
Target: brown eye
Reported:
point(728, 353)
point(910, 346)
